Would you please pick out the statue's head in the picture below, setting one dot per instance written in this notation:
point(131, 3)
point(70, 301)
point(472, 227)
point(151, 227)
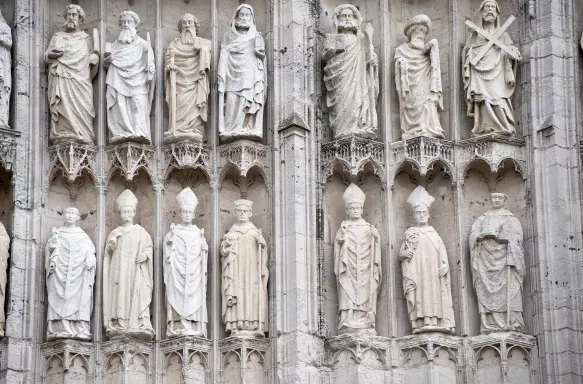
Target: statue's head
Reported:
point(128, 26)
point(421, 214)
point(126, 205)
point(71, 215)
point(420, 201)
point(347, 18)
point(353, 199)
point(244, 18)
point(188, 26)
point(498, 200)
point(243, 210)
point(187, 201)
point(417, 30)
point(74, 15)
point(490, 11)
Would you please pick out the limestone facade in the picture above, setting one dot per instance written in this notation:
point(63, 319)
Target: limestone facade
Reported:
point(296, 175)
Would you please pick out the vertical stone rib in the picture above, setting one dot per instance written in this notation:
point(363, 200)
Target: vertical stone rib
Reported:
point(215, 276)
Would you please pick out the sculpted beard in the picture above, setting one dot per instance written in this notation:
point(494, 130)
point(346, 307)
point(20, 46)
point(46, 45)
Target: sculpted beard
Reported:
point(347, 26)
point(127, 35)
point(188, 35)
point(71, 24)
point(242, 25)
point(417, 41)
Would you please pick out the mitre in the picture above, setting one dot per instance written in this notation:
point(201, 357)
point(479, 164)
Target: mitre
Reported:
point(353, 194)
point(418, 20)
point(245, 203)
point(187, 198)
point(127, 198)
point(420, 197)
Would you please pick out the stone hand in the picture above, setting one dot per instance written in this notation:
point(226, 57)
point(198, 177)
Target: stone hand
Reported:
point(261, 241)
point(111, 245)
point(90, 264)
point(409, 254)
point(55, 53)
point(171, 68)
point(94, 58)
point(443, 270)
point(231, 301)
point(375, 233)
point(107, 59)
point(52, 267)
point(374, 60)
point(205, 247)
point(151, 69)
point(260, 53)
point(516, 53)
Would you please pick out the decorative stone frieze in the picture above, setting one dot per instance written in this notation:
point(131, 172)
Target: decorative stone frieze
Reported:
point(494, 149)
point(244, 360)
point(422, 152)
point(243, 155)
point(129, 158)
point(353, 154)
point(72, 159)
point(186, 154)
point(8, 147)
point(186, 360)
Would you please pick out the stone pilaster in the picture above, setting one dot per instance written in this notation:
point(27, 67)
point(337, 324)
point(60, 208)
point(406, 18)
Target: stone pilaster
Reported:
point(551, 100)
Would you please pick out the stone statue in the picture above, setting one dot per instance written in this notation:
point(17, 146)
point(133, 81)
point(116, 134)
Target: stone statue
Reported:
point(185, 272)
point(351, 76)
point(242, 75)
point(357, 265)
point(70, 274)
point(188, 63)
point(418, 80)
point(4, 255)
point(72, 58)
point(127, 274)
point(489, 66)
point(130, 83)
point(497, 260)
point(245, 274)
point(5, 71)
point(426, 277)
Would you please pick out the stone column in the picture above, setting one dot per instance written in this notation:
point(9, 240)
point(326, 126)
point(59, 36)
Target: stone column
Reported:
point(551, 68)
point(296, 349)
point(24, 323)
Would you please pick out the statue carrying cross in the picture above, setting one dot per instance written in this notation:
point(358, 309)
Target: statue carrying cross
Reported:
point(489, 67)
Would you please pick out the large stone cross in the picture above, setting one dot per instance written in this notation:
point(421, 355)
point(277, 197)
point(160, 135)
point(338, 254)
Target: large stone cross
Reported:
point(492, 39)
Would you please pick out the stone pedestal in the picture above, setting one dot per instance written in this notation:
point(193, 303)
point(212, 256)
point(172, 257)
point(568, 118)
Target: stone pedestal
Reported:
point(186, 360)
point(127, 360)
point(68, 361)
point(244, 360)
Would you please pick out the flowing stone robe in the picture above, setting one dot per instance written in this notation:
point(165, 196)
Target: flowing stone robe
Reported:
point(70, 91)
point(127, 280)
point(70, 285)
point(243, 81)
point(192, 88)
point(427, 294)
point(418, 80)
point(489, 86)
point(4, 255)
point(5, 71)
point(357, 265)
point(244, 278)
point(130, 90)
point(352, 86)
point(498, 268)
point(185, 277)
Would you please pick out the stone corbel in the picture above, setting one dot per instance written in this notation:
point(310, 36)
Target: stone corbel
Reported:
point(71, 159)
point(188, 348)
point(423, 152)
point(8, 147)
point(185, 155)
point(241, 156)
point(243, 349)
point(353, 155)
point(66, 351)
point(129, 158)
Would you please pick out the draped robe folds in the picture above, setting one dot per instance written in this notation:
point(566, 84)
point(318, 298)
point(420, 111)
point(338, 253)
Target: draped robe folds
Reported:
point(489, 85)
point(130, 91)
point(185, 277)
point(70, 285)
point(418, 80)
point(127, 280)
point(498, 269)
point(244, 278)
point(427, 294)
point(243, 84)
point(5, 72)
point(352, 86)
point(192, 87)
point(4, 254)
point(70, 91)
point(357, 265)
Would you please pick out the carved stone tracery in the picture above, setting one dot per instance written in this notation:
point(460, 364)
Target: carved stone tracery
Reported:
point(129, 158)
point(353, 154)
point(8, 147)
